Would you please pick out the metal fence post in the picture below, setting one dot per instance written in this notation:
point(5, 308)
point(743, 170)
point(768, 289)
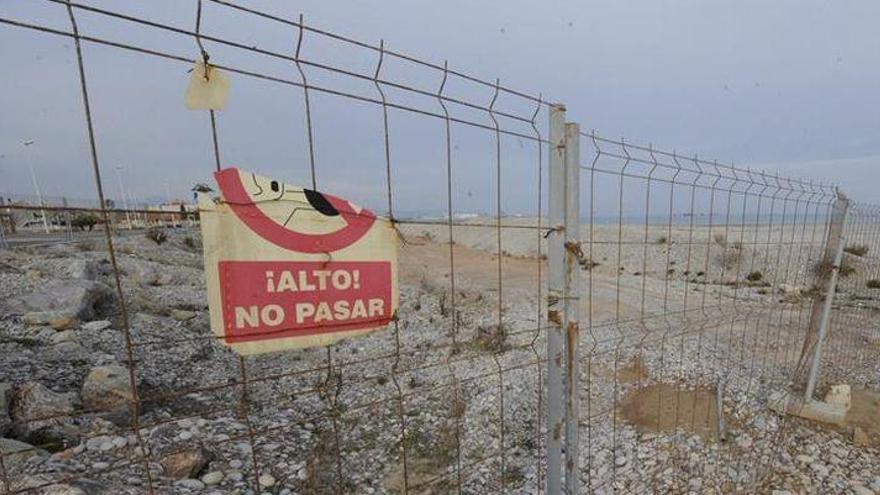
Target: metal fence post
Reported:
point(571, 293)
point(555, 293)
point(821, 313)
point(563, 291)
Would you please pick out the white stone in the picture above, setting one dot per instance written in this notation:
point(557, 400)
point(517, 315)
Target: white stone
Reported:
point(861, 490)
point(212, 478)
point(96, 326)
point(192, 484)
point(840, 395)
point(267, 480)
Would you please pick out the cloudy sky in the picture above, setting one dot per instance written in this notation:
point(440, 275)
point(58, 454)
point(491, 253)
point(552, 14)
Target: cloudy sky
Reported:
point(789, 86)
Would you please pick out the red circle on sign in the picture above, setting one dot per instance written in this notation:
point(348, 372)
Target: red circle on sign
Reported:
point(234, 193)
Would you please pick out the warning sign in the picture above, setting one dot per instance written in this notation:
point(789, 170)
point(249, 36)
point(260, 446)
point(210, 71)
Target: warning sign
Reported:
point(288, 267)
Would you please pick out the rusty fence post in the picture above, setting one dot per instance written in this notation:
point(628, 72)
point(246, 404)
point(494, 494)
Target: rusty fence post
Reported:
point(555, 292)
point(821, 312)
point(563, 291)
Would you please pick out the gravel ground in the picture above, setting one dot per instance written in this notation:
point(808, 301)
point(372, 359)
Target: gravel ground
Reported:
point(440, 400)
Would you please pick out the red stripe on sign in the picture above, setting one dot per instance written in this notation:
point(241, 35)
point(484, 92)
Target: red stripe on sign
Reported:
point(264, 300)
point(358, 223)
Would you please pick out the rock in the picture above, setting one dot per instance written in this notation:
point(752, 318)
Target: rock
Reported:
point(212, 478)
point(5, 420)
point(41, 413)
point(860, 438)
point(15, 452)
point(64, 336)
point(67, 351)
point(861, 490)
point(186, 463)
point(182, 315)
point(190, 483)
point(39, 318)
point(62, 323)
point(60, 299)
point(95, 443)
point(145, 272)
point(82, 269)
point(821, 470)
point(63, 489)
point(267, 480)
point(789, 289)
point(96, 326)
point(107, 389)
point(840, 395)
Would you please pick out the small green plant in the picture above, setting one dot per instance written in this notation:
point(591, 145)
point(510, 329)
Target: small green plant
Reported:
point(873, 284)
point(189, 242)
point(856, 250)
point(159, 236)
point(754, 276)
point(662, 240)
point(83, 221)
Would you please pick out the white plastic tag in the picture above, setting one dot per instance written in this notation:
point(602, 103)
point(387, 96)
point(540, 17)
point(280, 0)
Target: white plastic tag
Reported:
point(208, 88)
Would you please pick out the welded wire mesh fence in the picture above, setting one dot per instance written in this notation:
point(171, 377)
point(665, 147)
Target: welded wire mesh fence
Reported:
point(850, 351)
point(698, 295)
point(693, 283)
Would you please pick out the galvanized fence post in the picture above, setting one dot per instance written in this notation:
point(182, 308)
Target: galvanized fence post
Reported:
point(563, 291)
point(571, 294)
point(821, 313)
point(555, 294)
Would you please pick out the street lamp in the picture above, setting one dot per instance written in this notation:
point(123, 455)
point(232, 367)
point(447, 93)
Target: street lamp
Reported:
point(30, 162)
point(122, 195)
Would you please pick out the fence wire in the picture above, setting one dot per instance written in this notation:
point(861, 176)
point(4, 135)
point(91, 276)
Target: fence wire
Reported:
point(698, 279)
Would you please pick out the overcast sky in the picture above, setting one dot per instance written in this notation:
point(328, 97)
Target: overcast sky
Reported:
point(788, 85)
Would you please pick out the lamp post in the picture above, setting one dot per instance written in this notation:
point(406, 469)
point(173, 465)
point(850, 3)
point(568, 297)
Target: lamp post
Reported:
point(168, 202)
point(122, 195)
point(30, 161)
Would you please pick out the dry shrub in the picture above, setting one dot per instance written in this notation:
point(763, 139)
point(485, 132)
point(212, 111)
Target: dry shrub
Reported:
point(157, 235)
point(824, 268)
point(873, 284)
point(856, 249)
point(491, 338)
point(731, 253)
